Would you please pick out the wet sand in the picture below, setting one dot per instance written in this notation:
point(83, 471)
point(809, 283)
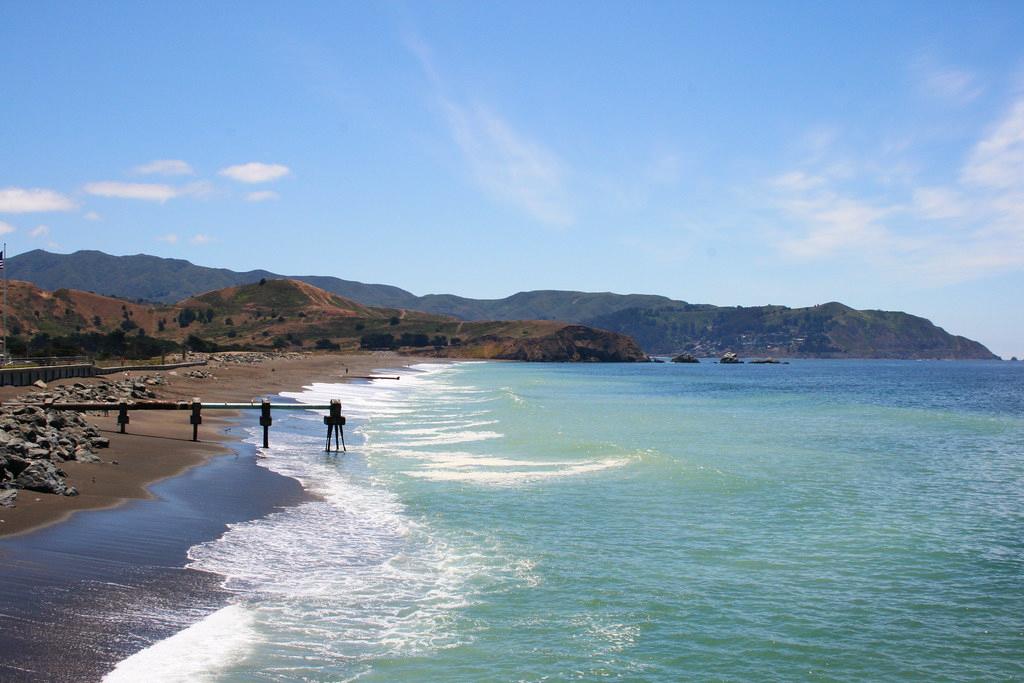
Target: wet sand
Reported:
point(78, 596)
point(158, 443)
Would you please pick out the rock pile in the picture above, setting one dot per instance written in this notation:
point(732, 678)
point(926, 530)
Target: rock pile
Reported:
point(253, 358)
point(200, 374)
point(103, 392)
point(34, 439)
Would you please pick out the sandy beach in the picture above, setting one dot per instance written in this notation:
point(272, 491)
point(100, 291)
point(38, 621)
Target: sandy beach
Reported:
point(63, 576)
point(158, 444)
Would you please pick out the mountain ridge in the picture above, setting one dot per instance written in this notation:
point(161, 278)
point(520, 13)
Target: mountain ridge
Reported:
point(281, 314)
point(660, 324)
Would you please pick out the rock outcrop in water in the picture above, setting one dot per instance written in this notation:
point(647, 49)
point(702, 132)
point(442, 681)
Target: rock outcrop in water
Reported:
point(685, 358)
point(574, 343)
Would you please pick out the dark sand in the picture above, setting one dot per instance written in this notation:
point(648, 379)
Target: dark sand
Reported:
point(158, 443)
point(79, 596)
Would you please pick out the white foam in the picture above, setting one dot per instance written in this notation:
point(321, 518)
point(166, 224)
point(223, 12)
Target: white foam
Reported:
point(196, 654)
point(514, 477)
point(352, 576)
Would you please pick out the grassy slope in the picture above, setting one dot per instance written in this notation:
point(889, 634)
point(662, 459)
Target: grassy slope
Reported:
point(256, 315)
point(659, 324)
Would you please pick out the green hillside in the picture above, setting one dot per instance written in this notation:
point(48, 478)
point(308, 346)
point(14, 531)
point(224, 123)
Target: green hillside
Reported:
point(659, 324)
point(828, 331)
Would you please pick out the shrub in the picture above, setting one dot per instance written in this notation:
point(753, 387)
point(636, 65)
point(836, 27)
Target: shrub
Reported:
point(378, 341)
point(200, 345)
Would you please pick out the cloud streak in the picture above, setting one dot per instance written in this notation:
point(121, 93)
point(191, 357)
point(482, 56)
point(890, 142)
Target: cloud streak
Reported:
point(932, 233)
point(149, 192)
point(255, 172)
point(509, 166)
point(33, 200)
point(998, 160)
point(170, 167)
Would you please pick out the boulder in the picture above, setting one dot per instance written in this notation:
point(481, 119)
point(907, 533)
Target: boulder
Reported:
point(685, 358)
point(39, 383)
point(83, 454)
point(729, 358)
point(7, 497)
point(43, 476)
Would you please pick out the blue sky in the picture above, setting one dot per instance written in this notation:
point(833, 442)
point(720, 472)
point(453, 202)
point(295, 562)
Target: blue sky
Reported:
point(726, 153)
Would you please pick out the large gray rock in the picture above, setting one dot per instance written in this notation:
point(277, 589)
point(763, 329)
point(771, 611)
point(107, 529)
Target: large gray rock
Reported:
point(7, 497)
point(83, 454)
point(45, 477)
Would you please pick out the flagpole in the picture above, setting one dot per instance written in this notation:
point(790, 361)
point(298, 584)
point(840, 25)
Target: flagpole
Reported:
point(3, 255)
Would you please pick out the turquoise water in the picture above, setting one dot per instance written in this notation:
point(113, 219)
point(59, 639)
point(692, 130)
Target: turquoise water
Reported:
point(841, 521)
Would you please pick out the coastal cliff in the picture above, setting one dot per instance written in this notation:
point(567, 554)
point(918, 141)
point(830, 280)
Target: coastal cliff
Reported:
point(569, 343)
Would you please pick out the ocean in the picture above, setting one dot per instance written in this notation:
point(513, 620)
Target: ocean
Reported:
point(822, 520)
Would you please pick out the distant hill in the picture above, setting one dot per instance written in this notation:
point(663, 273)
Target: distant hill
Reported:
point(167, 280)
point(659, 324)
point(827, 331)
point(296, 315)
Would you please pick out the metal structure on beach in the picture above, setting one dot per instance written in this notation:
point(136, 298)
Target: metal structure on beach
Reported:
point(334, 420)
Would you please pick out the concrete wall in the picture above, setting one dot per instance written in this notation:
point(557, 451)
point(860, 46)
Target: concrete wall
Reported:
point(21, 377)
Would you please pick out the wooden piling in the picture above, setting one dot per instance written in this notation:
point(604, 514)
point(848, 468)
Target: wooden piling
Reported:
point(196, 418)
point(122, 415)
point(265, 422)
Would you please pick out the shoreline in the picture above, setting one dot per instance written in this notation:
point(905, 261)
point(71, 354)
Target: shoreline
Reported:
point(83, 592)
point(158, 444)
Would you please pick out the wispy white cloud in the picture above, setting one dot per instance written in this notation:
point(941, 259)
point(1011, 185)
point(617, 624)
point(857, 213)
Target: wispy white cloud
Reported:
point(6, 228)
point(169, 238)
point(150, 192)
point(509, 166)
point(505, 163)
point(834, 223)
point(970, 227)
point(92, 216)
point(39, 231)
point(939, 203)
point(255, 172)
point(172, 167)
point(950, 83)
point(33, 200)
point(998, 160)
point(200, 239)
point(261, 196)
point(797, 180)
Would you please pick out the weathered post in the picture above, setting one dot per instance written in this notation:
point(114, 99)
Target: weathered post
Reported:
point(197, 417)
point(334, 421)
point(122, 414)
point(265, 422)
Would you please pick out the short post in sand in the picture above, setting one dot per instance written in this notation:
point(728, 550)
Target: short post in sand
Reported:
point(334, 422)
point(196, 418)
point(122, 415)
point(265, 422)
